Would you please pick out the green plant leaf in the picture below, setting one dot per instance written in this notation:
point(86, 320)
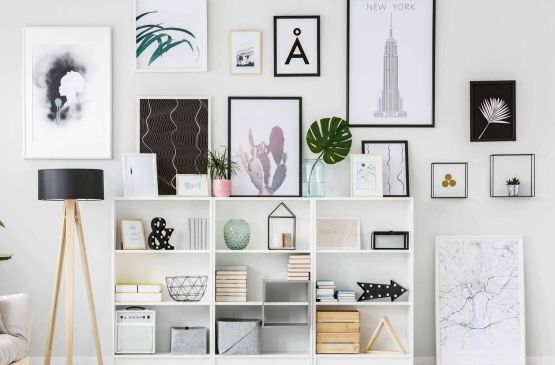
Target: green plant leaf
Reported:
point(144, 14)
point(149, 40)
point(330, 138)
point(165, 47)
point(2, 224)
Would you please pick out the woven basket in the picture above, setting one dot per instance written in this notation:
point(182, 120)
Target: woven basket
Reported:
point(186, 288)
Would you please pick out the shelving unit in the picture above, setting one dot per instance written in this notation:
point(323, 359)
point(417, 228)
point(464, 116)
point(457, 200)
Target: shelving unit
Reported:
point(288, 334)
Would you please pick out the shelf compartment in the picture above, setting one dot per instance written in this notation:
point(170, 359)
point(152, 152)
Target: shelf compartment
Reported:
point(365, 304)
point(162, 252)
point(271, 252)
point(162, 304)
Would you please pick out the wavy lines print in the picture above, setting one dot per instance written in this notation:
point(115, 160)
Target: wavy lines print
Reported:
point(389, 168)
point(401, 167)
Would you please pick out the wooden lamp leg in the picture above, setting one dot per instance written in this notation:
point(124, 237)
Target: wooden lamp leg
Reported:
point(70, 236)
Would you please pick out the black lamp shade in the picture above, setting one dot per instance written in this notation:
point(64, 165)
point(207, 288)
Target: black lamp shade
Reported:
point(66, 184)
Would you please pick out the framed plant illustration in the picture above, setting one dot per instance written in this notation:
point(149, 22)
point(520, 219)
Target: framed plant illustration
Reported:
point(390, 63)
point(395, 161)
point(297, 45)
point(171, 35)
point(264, 134)
point(366, 175)
point(245, 52)
point(492, 111)
point(177, 130)
point(68, 92)
point(450, 180)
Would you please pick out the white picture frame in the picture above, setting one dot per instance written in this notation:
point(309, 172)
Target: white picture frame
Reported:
point(338, 233)
point(245, 52)
point(450, 180)
point(192, 185)
point(366, 175)
point(139, 175)
point(497, 261)
point(133, 234)
point(189, 15)
point(67, 92)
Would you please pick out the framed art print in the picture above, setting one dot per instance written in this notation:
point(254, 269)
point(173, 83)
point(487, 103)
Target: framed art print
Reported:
point(177, 130)
point(133, 234)
point(390, 63)
point(171, 35)
point(297, 46)
point(68, 92)
point(492, 111)
point(341, 233)
point(450, 180)
point(245, 52)
point(192, 185)
point(139, 175)
point(480, 309)
point(366, 175)
point(390, 240)
point(395, 161)
point(264, 136)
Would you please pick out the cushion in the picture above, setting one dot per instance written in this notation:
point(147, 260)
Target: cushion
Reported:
point(12, 349)
point(2, 327)
point(15, 311)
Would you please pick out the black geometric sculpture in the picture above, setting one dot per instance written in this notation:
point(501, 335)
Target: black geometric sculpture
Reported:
point(159, 238)
point(373, 291)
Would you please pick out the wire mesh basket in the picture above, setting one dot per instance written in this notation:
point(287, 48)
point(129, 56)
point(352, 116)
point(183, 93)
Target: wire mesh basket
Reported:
point(186, 288)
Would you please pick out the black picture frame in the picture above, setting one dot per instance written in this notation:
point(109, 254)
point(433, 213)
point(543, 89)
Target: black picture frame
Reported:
point(276, 19)
point(433, 196)
point(405, 235)
point(291, 216)
point(229, 142)
point(406, 145)
point(532, 174)
point(432, 125)
point(480, 129)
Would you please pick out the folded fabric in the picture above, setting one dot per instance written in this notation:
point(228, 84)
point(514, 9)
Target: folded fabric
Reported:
point(15, 311)
point(12, 349)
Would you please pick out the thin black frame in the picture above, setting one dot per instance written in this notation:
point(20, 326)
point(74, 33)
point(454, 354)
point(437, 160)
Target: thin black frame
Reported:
point(433, 124)
point(473, 84)
point(293, 216)
point(406, 143)
point(532, 175)
point(317, 17)
point(465, 180)
point(229, 149)
point(405, 234)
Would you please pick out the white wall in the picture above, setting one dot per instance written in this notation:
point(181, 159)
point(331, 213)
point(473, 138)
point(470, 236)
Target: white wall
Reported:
point(476, 40)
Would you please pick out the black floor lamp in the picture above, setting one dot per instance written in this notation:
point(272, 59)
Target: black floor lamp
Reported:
point(71, 185)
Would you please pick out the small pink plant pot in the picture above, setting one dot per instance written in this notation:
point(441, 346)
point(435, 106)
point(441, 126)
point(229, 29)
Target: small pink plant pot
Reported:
point(221, 188)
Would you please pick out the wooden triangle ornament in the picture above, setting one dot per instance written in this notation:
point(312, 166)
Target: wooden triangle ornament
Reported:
point(385, 322)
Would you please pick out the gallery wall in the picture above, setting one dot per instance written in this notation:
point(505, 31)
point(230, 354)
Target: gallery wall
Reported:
point(475, 40)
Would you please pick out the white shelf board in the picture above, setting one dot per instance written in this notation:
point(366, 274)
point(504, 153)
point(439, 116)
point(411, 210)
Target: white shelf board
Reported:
point(367, 252)
point(161, 252)
point(363, 198)
point(272, 252)
point(366, 304)
point(267, 355)
point(363, 355)
point(285, 304)
point(161, 355)
point(164, 198)
point(250, 303)
point(163, 304)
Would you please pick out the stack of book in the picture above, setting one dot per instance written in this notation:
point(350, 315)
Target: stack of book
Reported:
point(298, 268)
point(325, 290)
point(231, 284)
point(198, 234)
point(138, 293)
point(345, 295)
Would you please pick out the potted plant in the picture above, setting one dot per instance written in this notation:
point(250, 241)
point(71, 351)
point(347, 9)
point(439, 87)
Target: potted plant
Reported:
point(4, 257)
point(331, 139)
point(222, 168)
point(512, 186)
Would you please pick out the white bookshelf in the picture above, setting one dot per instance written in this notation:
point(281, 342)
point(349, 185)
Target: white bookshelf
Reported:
point(281, 344)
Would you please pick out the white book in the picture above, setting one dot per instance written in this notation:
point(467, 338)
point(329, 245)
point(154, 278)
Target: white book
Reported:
point(324, 291)
point(325, 282)
point(296, 278)
point(138, 297)
point(126, 288)
point(149, 288)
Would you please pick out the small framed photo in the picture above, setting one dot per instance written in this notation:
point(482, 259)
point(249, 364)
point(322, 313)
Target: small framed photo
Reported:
point(140, 178)
point(297, 45)
point(338, 233)
point(192, 185)
point(450, 180)
point(492, 111)
point(390, 240)
point(133, 234)
point(395, 164)
point(245, 52)
point(366, 175)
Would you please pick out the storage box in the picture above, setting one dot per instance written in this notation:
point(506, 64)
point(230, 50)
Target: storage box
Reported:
point(338, 332)
point(189, 340)
point(239, 336)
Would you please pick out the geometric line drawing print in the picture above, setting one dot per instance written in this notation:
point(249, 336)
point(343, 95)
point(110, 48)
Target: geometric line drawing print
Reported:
point(395, 165)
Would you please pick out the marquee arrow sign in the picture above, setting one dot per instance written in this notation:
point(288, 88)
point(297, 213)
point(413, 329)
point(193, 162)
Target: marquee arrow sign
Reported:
point(373, 291)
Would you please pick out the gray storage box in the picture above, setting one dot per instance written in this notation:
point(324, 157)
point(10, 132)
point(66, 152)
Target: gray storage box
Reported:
point(239, 336)
point(189, 340)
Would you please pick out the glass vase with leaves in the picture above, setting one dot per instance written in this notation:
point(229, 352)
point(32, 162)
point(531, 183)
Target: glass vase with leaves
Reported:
point(221, 167)
point(331, 140)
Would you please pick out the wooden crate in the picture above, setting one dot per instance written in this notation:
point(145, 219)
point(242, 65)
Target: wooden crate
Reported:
point(337, 348)
point(338, 332)
point(347, 316)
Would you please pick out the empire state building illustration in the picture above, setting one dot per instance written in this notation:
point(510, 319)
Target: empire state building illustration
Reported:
point(390, 104)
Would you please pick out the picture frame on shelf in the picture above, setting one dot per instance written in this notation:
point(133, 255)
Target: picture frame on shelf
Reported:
point(390, 64)
point(165, 126)
point(133, 234)
point(67, 75)
point(449, 180)
point(464, 266)
point(245, 52)
point(492, 111)
point(297, 45)
point(395, 165)
point(504, 167)
point(181, 30)
point(278, 138)
point(192, 185)
point(338, 233)
point(390, 240)
point(366, 175)
point(282, 228)
point(139, 175)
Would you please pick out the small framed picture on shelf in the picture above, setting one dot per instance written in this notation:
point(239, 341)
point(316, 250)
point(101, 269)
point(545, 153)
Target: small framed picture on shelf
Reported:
point(366, 175)
point(139, 175)
point(395, 165)
point(390, 240)
point(338, 233)
point(245, 52)
point(450, 180)
point(133, 234)
point(192, 185)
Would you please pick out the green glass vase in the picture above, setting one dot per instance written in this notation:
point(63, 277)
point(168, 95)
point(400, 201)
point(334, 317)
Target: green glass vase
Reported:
point(237, 234)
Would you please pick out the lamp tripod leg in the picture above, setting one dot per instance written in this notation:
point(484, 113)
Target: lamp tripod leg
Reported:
point(70, 236)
